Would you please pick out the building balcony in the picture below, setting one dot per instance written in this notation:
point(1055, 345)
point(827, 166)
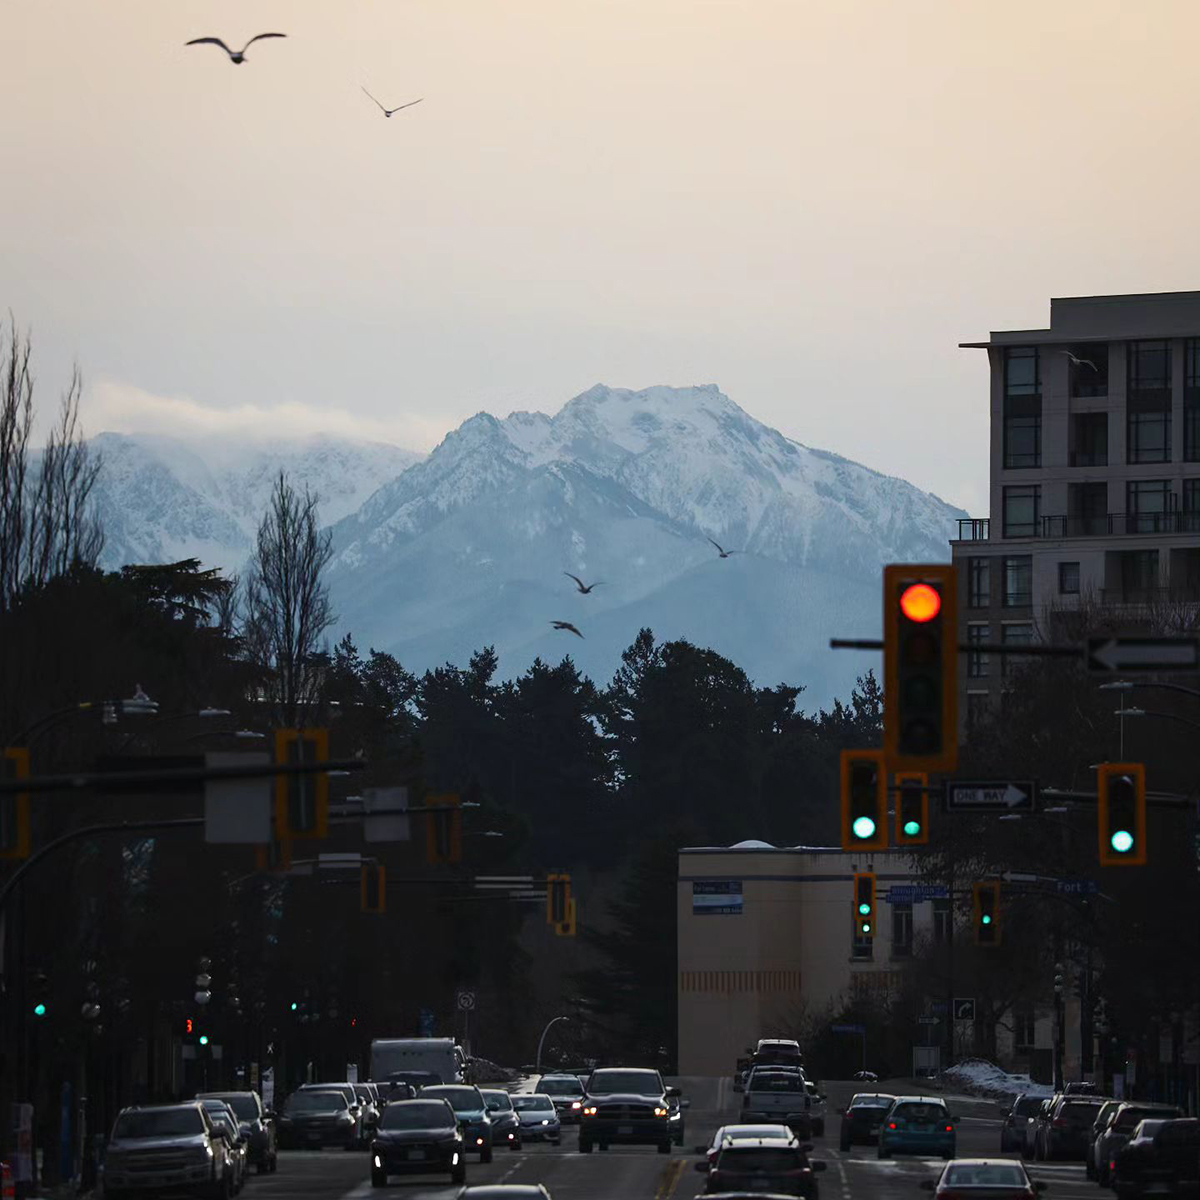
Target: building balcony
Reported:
point(973, 529)
point(1145, 597)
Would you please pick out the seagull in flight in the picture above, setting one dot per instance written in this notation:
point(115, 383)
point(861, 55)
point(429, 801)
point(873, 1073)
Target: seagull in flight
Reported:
point(584, 588)
point(721, 549)
point(567, 626)
point(387, 112)
point(1079, 362)
point(235, 56)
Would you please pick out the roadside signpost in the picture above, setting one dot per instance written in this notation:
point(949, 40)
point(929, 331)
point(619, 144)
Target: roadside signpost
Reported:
point(964, 1009)
point(1004, 796)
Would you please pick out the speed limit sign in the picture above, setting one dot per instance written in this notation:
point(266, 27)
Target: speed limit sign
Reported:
point(465, 1001)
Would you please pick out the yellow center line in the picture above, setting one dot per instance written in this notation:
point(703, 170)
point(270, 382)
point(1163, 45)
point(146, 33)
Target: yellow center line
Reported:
point(670, 1180)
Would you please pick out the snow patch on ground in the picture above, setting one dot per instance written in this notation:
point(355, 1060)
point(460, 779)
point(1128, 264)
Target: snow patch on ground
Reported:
point(978, 1077)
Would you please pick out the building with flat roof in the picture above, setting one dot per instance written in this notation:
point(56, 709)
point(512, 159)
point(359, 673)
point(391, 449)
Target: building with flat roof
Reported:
point(1094, 477)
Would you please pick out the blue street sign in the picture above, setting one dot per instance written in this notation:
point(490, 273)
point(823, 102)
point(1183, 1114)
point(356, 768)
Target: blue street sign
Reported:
point(1076, 887)
point(848, 1028)
point(916, 893)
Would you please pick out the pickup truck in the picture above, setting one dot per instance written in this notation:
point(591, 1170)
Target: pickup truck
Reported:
point(779, 1094)
point(1162, 1158)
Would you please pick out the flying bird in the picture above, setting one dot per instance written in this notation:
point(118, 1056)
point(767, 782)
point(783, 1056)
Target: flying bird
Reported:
point(1079, 362)
point(584, 588)
point(721, 550)
point(236, 56)
point(387, 112)
point(567, 626)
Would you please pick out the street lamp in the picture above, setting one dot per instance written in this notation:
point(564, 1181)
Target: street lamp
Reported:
point(542, 1041)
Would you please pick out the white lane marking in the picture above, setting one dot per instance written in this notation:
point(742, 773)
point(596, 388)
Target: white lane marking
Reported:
point(358, 1192)
point(841, 1166)
point(513, 1169)
point(721, 1093)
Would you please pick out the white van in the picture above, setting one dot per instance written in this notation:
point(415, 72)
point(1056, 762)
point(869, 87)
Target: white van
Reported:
point(440, 1056)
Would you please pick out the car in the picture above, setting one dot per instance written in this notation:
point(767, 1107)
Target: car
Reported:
point(779, 1165)
point(744, 1131)
point(1083, 1087)
point(1106, 1110)
point(166, 1147)
point(471, 1111)
point(1032, 1126)
point(630, 1105)
point(418, 1136)
point(317, 1117)
point(677, 1105)
point(1121, 1123)
point(816, 1107)
point(504, 1191)
point(567, 1093)
point(220, 1114)
point(399, 1089)
point(1064, 1132)
point(917, 1125)
point(984, 1177)
point(1012, 1132)
point(862, 1117)
point(413, 1080)
point(1162, 1157)
point(368, 1108)
point(865, 1076)
point(354, 1104)
point(257, 1123)
point(538, 1117)
point(778, 1094)
point(777, 1052)
point(506, 1125)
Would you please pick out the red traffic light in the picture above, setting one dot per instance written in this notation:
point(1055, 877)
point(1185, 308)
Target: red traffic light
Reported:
point(920, 602)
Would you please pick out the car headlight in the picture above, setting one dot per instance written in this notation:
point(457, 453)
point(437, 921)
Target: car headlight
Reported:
point(545, 1121)
point(662, 1112)
point(576, 1104)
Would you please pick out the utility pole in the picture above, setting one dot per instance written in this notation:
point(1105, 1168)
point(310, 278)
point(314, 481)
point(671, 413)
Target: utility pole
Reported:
point(1059, 1026)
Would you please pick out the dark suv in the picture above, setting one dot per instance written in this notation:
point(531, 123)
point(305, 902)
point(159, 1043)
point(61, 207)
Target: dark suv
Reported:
point(1065, 1131)
point(169, 1147)
point(775, 1165)
point(627, 1105)
point(863, 1117)
point(1012, 1132)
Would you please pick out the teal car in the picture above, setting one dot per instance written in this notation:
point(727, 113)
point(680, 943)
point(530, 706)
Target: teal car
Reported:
point(917, 1125)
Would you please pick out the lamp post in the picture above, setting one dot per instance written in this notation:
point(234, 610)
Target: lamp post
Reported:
point(542, 1041)
point(1059, 1026)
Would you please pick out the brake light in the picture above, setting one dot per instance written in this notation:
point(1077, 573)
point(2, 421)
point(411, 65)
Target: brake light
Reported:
point(949, 1128)
point(891, 1124)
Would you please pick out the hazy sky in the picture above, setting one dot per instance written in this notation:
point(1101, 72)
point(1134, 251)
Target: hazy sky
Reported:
point(807, 202)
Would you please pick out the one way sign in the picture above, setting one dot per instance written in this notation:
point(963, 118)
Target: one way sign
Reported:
point(1143, 654)
point(1004, 796)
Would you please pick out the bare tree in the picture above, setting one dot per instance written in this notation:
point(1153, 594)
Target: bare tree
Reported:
point(47, 521)
point(286, 606)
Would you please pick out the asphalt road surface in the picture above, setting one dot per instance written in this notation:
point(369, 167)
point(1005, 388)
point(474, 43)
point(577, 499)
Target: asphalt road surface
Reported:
point(641, 1173)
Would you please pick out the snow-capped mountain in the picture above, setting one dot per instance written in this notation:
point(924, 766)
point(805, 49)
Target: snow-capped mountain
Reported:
point(468, 547)
point(163, 499)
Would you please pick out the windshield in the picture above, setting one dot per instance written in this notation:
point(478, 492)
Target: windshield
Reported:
point(462, 1099)
point(532, 1103)
point(1026, 1106)
point(561, 1087)
point(882, 1102)
point(162, 1122)
point(245, 1106)
point(1078, 1112)
point(755, 1159)
point(497, 1101)
point(316, 1102)
point(754, 1131)
point(919, 1112)
point(644, 1083)
point(417, 1114)
point(984, 1175)
point(1129, 1117)
point(1147, 1129)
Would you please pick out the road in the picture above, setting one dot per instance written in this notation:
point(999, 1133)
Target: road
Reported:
point(640, 1173)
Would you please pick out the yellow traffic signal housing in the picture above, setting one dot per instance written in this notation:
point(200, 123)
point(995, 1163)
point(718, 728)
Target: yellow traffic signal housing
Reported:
point(985, 912)
point(1121, 814)
point(864, 800)
point(373, 888)
point(301, 801)
point(275, 857)
point(864, 904)
point(912, 808)
point(15, 817)
point(558, 898)
point(443, 829)
point(566, 927)
point(920, 667)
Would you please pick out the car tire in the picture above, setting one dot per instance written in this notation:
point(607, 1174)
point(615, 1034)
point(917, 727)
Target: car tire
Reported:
point(585, 1145)
point(379, 1179)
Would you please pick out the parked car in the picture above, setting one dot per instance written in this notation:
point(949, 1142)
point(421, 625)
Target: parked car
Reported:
point(772, 1132)
point(984, 1177)
point(257, 1123)
point(539, 1120)
point(1162, 1157)
point(1084, 1087)
point(1106, 1110)
point(566, 1091)
point(471, 1111)
point(862, 1118)
point(917, 1125)
point(315, 1118)
point(1012, 1132)
point(1065, 1130)
point(220, 1114)
point(778, 1094)
point(1121, 1123)
point(418, 1136)
point(506, 1125)
point(778, 1165)
point(167, 1147)
point(1031, 1129)
point(629, 1105)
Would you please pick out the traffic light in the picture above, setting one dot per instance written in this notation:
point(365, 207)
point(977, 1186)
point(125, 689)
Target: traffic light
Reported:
point(189, 1026)
point(985, 913)
point(566, 927)
point(301, 801)
point(39, 994)
point(558, 898)
point(864, 905)
point(14, 806)
point(912, 808)
point(864, 800)
point(373, 885)
point(920, 667)
point(275, 857)
point(1122, 814)
point(443, 829)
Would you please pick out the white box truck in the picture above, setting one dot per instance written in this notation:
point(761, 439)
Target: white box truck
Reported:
point(439, 1056)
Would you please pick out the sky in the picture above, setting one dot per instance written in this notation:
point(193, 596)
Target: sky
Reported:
point(807, 202)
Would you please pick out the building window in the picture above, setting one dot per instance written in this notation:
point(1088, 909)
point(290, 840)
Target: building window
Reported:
point(1147, 505)
point(1191, 401)
point(1087, 510)
point(1191, 506)
point(1068, 579)
point(1024, 1029)
point(1148, 403)
point(1089, 439)
point(1022, 436)
point(1149, 370)
point(977, 660)
point(1015, 635)
point(1018, 581)
point(1021, 510)
point(902, 930)
point(1088, 367)
point(977, 709)
point(979, 582)
point(1022, 371)
point(1149, 436)
point(1139, 575)
point(941, 919)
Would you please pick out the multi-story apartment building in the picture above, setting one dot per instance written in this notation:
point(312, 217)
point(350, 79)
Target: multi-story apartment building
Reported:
point(1094, 490)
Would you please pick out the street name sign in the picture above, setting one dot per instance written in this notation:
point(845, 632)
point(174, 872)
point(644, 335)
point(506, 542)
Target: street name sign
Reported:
point(1076, 887)
point(915, 893)
point(848, 1028)
point(1002, 796)
point(1107, 654)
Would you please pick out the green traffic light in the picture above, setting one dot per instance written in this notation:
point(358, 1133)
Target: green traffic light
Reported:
point(294, 1006)
point(39, 1010)
point(1122, 841)
point(864, 827)
point(986, 919)
point(865, 909)
point(866, 926)
point(204, 1039)
point(912, 828)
